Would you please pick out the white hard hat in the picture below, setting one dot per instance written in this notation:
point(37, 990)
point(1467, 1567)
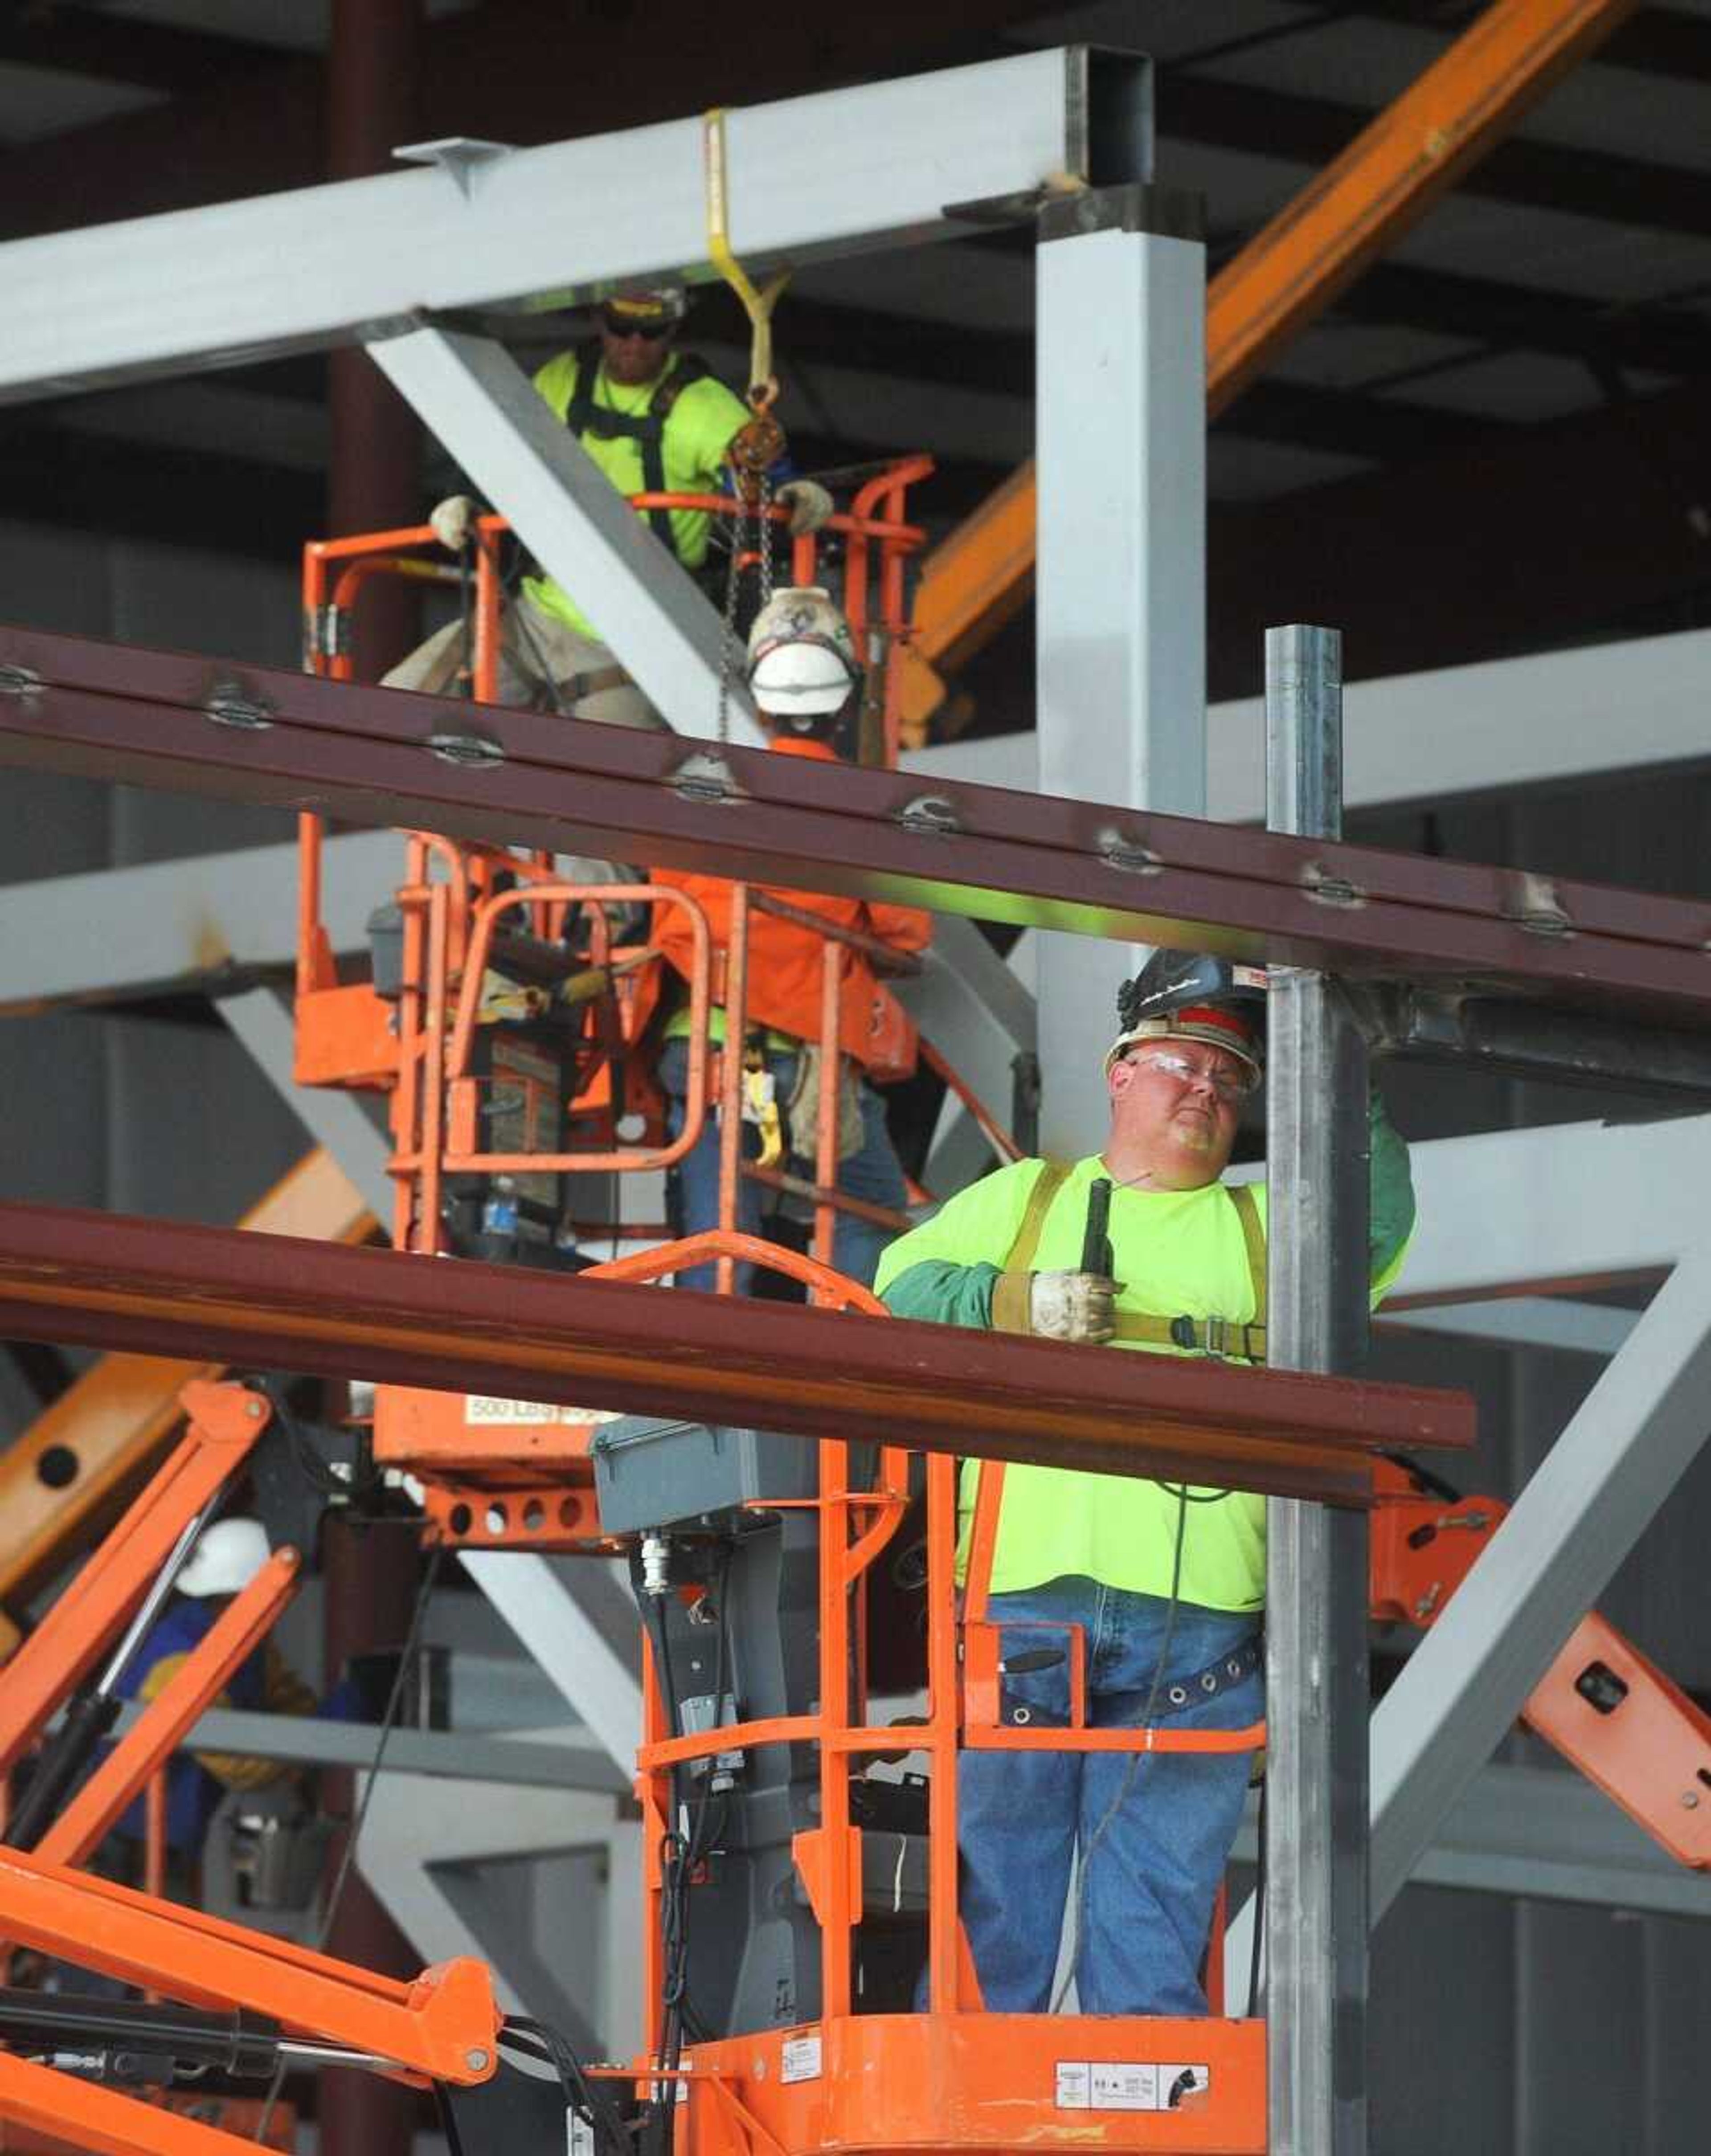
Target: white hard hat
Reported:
point(226, 1558)
point(802, 661)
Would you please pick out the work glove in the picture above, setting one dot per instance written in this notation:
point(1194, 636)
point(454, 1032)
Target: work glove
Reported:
point(1068, 1305)
point(454, 521)
point(809, 503)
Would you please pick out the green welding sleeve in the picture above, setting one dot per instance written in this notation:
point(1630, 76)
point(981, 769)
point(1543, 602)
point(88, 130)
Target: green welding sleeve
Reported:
point(943, 1293)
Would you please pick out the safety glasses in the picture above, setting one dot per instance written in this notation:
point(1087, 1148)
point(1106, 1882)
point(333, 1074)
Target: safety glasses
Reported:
point(625, 326)
point(1231, 1085)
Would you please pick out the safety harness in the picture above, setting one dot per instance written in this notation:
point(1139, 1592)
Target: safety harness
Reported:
point(1229, 1337)
point(583, 416)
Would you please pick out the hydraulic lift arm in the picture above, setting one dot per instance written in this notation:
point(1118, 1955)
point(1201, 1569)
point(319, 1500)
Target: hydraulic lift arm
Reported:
point(1609, 1711)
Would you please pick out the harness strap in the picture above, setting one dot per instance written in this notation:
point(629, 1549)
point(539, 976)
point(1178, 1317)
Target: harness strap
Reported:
point(583, 416)
point(1239, 1342)
point(1011, 1291)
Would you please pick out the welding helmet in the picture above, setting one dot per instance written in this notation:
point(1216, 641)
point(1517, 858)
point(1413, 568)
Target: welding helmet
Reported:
point(802, 662)
point(226, 1558)
point(1193, 996)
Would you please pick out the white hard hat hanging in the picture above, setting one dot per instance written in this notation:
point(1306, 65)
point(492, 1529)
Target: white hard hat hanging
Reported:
point(802, 659)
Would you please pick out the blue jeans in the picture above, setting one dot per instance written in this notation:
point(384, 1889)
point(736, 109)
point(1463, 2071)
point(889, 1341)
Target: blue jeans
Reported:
point(873, 1174)
point(1155, 1828)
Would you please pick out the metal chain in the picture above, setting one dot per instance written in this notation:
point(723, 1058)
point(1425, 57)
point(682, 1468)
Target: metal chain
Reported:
point(754, 500)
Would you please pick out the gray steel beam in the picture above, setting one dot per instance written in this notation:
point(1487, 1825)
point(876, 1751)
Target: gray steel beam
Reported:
point(1585, 1507)
point(484, 411)
point(1542, 1832)
point(261, 1020)
point(545, 1607)
point(836, 173)
point(1317, 1564)
point(1121, 601)
point(195, 922)
point(305, 1740)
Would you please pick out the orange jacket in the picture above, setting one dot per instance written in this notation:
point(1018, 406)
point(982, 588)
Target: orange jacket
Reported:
point(784, 960)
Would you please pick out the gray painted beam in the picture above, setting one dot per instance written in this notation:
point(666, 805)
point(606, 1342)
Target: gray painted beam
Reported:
point(261, 1019)
point(304, 1740)
point(109, 934)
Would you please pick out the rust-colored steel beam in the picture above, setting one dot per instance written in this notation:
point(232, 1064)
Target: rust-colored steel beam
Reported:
point(1287, 276)
point(106, 1281)
point(367, 755)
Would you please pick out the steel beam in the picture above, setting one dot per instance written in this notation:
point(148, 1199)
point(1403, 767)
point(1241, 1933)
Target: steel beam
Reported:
point(1586, 1505)
point(195, 922)
point(278, 1303)
point(542, 1605)
point(1316, 1565)
point(371, 755)
point(305, 1741)
point(319, 266)
point(261, 1021)
point(1548, 718)
point(483, 409)
point(1121, 597)
point(1287, 273)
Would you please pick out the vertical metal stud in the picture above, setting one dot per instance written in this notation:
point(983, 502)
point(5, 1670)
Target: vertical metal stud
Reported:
point(1316, 1667)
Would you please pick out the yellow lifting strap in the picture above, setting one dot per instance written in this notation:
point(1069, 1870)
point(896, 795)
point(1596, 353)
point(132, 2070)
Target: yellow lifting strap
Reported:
point(1225, 1337)
point(762, 385)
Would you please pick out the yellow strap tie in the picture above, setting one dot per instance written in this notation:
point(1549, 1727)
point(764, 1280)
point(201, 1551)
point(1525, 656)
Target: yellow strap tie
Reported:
point(759, 306)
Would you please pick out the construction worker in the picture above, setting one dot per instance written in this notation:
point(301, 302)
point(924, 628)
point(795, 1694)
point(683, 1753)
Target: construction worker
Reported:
point(226, 1558)
point(1167, 1581)
point(654, 420)
point(803, 671)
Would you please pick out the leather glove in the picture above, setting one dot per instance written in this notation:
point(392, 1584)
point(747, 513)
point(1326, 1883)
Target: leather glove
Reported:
point(454, 521)
point(1072, 1306)
point(809, 503)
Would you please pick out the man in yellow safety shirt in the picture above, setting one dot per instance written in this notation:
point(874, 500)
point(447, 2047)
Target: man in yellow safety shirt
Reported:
point(655, 421)
point(1167, 1581)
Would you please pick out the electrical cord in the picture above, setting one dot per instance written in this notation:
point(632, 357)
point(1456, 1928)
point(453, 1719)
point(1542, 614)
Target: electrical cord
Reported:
point(424, 1595)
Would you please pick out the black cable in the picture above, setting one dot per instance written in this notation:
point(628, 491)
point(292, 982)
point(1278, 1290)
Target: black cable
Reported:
point(586, 2097)
point(424, 1595)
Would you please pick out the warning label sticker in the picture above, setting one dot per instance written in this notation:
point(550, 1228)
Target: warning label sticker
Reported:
point(800, 2059)
point(1129, 2084)
point(481, 1411)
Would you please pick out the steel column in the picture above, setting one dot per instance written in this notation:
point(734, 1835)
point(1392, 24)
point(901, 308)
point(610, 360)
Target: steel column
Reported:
point(1587, 1503)
point(1317, 1561)
point(1121, 603)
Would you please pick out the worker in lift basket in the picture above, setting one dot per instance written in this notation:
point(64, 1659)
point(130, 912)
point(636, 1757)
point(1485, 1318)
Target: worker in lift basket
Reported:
point(654, 420)
point(802, 674)
point(1167, 1581)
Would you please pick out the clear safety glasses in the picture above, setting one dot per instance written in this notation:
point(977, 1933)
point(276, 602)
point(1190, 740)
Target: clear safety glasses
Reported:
point(1233, 1085)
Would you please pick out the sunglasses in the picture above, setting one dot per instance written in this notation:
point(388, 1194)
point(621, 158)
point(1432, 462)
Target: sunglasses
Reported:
point(623, 326)
point(1228, 1085)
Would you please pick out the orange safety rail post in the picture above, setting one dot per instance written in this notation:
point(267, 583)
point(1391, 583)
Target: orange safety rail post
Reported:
point(225, 1421)
point(441, 2025)
point(487, 912)
point(63, 1475)
point(736, 1006)
point(149, 1743)
point(1286, 274)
